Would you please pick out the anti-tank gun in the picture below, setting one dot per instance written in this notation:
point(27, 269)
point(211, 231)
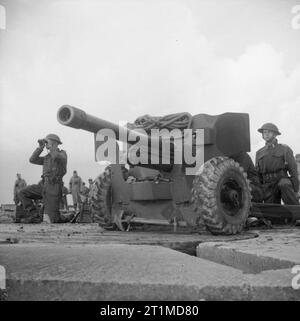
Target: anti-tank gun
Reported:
point(212, 190)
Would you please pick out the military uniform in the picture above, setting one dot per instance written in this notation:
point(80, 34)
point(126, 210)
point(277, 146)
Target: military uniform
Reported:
point(273, 162)
point(75, 186)
point(49, 188)
point(19, 185)
point(84, 193)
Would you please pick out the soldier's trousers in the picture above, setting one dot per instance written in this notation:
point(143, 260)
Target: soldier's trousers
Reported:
point(257, 193)
point(51, 195)
point(274, 191)
point(76, 198)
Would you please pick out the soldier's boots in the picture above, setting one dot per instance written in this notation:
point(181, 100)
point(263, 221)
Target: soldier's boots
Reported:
point(33, 217)
point(258, 222)
point(66, 218)
point(104, 222)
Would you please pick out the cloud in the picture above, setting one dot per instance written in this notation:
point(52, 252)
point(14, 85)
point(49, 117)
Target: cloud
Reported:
point(256, 83)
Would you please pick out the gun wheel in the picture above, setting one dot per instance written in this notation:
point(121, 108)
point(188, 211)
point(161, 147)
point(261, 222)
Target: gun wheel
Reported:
point(100, 199)
point(221, 194)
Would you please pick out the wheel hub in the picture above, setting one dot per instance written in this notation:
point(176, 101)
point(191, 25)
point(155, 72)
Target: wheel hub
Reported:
point(231, 197)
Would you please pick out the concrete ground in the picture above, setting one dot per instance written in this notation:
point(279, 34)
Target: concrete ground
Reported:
point(81, 262)
point(273, 250)
point(184, 240)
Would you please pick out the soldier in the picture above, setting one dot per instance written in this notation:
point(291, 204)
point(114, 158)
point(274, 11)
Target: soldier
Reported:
point(50, 187)
point(91, 189)
point(90, 183)
point(84, 193)
point(75, 186)
point(20, 183)
point(274, 162)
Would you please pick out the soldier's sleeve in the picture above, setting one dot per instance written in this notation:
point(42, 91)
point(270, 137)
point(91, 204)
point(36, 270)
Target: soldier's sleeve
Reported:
point(292, 168)
point(36, 158)
point(24, 183)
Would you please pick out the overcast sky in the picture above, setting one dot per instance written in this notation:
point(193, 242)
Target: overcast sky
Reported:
point(122, 59)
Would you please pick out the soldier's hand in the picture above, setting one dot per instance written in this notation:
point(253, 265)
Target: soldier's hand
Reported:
point(42, 143)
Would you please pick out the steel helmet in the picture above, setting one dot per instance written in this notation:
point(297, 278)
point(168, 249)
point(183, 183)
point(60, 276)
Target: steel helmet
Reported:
point(271, 127)
point(53, 137)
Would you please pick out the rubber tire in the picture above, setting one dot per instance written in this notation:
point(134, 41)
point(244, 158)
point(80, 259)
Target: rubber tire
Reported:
point(206, 196)
point(100, 198)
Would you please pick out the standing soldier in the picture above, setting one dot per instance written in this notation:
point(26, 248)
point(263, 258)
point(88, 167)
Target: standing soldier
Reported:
point(90, 189)
point(20, 183)
point(84, 193)
point(50, 187)
point(75, 186)
point(90, 183)
point(277, 168)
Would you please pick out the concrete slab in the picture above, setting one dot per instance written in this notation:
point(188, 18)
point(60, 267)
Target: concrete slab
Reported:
point(130, 272)
point(272, 250)
point(92, 234)
point(111, 272)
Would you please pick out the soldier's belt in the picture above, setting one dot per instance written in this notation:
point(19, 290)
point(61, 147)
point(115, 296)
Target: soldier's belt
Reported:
point(270, 177)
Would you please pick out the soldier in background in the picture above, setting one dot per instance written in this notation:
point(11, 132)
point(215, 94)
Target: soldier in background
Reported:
point(91, 189)
point(84, 193)
point(84, 213)
point(50, 187)
point(75, 186)
point(277, 168)
point(90, 183)
point(20, 183)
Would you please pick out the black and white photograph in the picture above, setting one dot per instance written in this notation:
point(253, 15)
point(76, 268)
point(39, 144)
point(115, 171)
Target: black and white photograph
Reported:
point(149, 154)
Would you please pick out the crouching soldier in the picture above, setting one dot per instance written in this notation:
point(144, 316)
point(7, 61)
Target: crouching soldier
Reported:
point(277, 168)
point(50, 187)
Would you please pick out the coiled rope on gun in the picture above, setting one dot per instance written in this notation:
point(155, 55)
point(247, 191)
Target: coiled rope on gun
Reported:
point(171, 121)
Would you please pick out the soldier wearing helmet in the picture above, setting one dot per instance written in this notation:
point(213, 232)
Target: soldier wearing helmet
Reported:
point(50, 187)
point(277, 168)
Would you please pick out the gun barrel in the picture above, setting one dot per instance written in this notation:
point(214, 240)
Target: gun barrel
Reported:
point(77, 118)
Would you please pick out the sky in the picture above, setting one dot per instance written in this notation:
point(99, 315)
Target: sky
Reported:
point(119, 60)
